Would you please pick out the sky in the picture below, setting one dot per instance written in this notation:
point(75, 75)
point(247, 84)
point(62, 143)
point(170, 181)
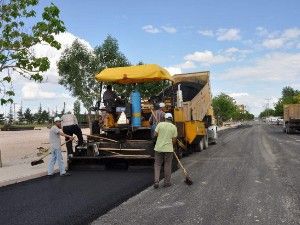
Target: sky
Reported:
point(251, 48)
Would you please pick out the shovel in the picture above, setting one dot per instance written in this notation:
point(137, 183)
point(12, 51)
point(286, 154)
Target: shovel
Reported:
point(40, 160)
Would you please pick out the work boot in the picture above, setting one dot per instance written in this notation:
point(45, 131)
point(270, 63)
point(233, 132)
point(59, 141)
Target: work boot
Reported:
point(156, 185)
point(167, 185)
point(66, 174)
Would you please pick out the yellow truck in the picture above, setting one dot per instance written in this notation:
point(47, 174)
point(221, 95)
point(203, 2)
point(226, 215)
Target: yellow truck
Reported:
point(291, 118)
point(187, 97)
point(193, 112)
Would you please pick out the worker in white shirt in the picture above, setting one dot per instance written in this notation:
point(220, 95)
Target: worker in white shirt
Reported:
point(70, 126)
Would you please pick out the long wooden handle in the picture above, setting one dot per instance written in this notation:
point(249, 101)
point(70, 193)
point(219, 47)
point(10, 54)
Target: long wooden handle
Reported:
point(180, 164)
point(154, 115)
point(94, 136)
point(50, 152)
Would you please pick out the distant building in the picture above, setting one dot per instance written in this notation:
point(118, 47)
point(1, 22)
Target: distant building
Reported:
point(242, 108)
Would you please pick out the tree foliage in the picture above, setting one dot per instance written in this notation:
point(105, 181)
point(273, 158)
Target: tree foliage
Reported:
point(289, 96)
point(28, 116)
point(78, 66)
point(225, 109)
point(17, 40)
point(76, 73)
point(2, 118)
point(76, 108)
point(20, 115)
point(267, 113)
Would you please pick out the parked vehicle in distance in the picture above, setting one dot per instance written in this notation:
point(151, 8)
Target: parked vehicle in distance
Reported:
point(291, 118)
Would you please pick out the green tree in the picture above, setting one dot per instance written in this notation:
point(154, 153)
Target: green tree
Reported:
point(76, 73)
point(76, 108)
point(38, 115)
point(28, 116)
point(224, 107)
point(267, 113)
point(289, 96)
point(2, 118)
point(10, 115)
point(17, 40)
point(78, 65)
point(20, 115)
point(45, 117)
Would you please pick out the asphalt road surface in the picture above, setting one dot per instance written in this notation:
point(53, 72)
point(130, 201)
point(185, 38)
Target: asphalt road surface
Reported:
point(252, 176)
point(78, 199)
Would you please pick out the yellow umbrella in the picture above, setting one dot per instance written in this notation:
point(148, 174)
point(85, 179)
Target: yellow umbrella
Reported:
point(134, 74)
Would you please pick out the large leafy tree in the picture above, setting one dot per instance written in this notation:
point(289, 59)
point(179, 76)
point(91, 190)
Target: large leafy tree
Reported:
point(224, 107)
point(17, 38)
point(289, 96)
point(77, 72)
point(78, 65)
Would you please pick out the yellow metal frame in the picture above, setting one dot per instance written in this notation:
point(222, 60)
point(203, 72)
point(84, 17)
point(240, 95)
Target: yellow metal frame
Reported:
point(194, 129)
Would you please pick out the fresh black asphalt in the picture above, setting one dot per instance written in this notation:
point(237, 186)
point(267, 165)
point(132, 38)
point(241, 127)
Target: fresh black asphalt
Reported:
point(78, 199)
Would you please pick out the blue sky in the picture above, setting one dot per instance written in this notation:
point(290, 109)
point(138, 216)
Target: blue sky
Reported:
point(251, 48)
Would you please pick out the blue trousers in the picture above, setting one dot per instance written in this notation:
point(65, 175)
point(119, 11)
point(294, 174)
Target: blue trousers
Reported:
point(56, 156)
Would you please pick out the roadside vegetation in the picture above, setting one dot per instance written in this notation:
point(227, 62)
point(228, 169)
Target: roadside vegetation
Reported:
point(226, 109)
point(288, 96)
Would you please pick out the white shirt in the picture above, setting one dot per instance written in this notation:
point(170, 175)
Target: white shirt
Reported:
point(54, 138)
point(68, 120)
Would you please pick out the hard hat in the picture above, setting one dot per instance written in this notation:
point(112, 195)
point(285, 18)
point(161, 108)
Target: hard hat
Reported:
point(57, 119)
point(161, 105)
point(168, 116)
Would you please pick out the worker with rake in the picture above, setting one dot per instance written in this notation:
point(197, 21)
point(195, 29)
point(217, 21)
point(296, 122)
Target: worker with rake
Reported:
point(166, 133)
point(55, 146)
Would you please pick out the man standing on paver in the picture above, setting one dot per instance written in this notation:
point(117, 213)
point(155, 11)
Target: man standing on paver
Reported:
point(70, 126)
point(166, 133)
point(156, 117)
point(55, 146)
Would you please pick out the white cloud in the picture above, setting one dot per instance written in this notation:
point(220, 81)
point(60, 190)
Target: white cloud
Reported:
point(187, 65)
point(272, 67)
point(291, 33)
point(261, 31)
point(173, 70)
point(32, 91)
point(208, 33)
point(207, 58)
point(231, 34)
point(273, 43)
point(234, 95)
point(150, 29)
point(170, 30)
point(287, 38)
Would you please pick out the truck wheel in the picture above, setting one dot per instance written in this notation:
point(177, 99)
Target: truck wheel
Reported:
point(200, 146)
point(288, 129)
point(205, 142)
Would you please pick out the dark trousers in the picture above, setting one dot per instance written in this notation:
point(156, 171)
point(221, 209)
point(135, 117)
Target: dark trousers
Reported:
point(70, 130)
point(160, 158)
